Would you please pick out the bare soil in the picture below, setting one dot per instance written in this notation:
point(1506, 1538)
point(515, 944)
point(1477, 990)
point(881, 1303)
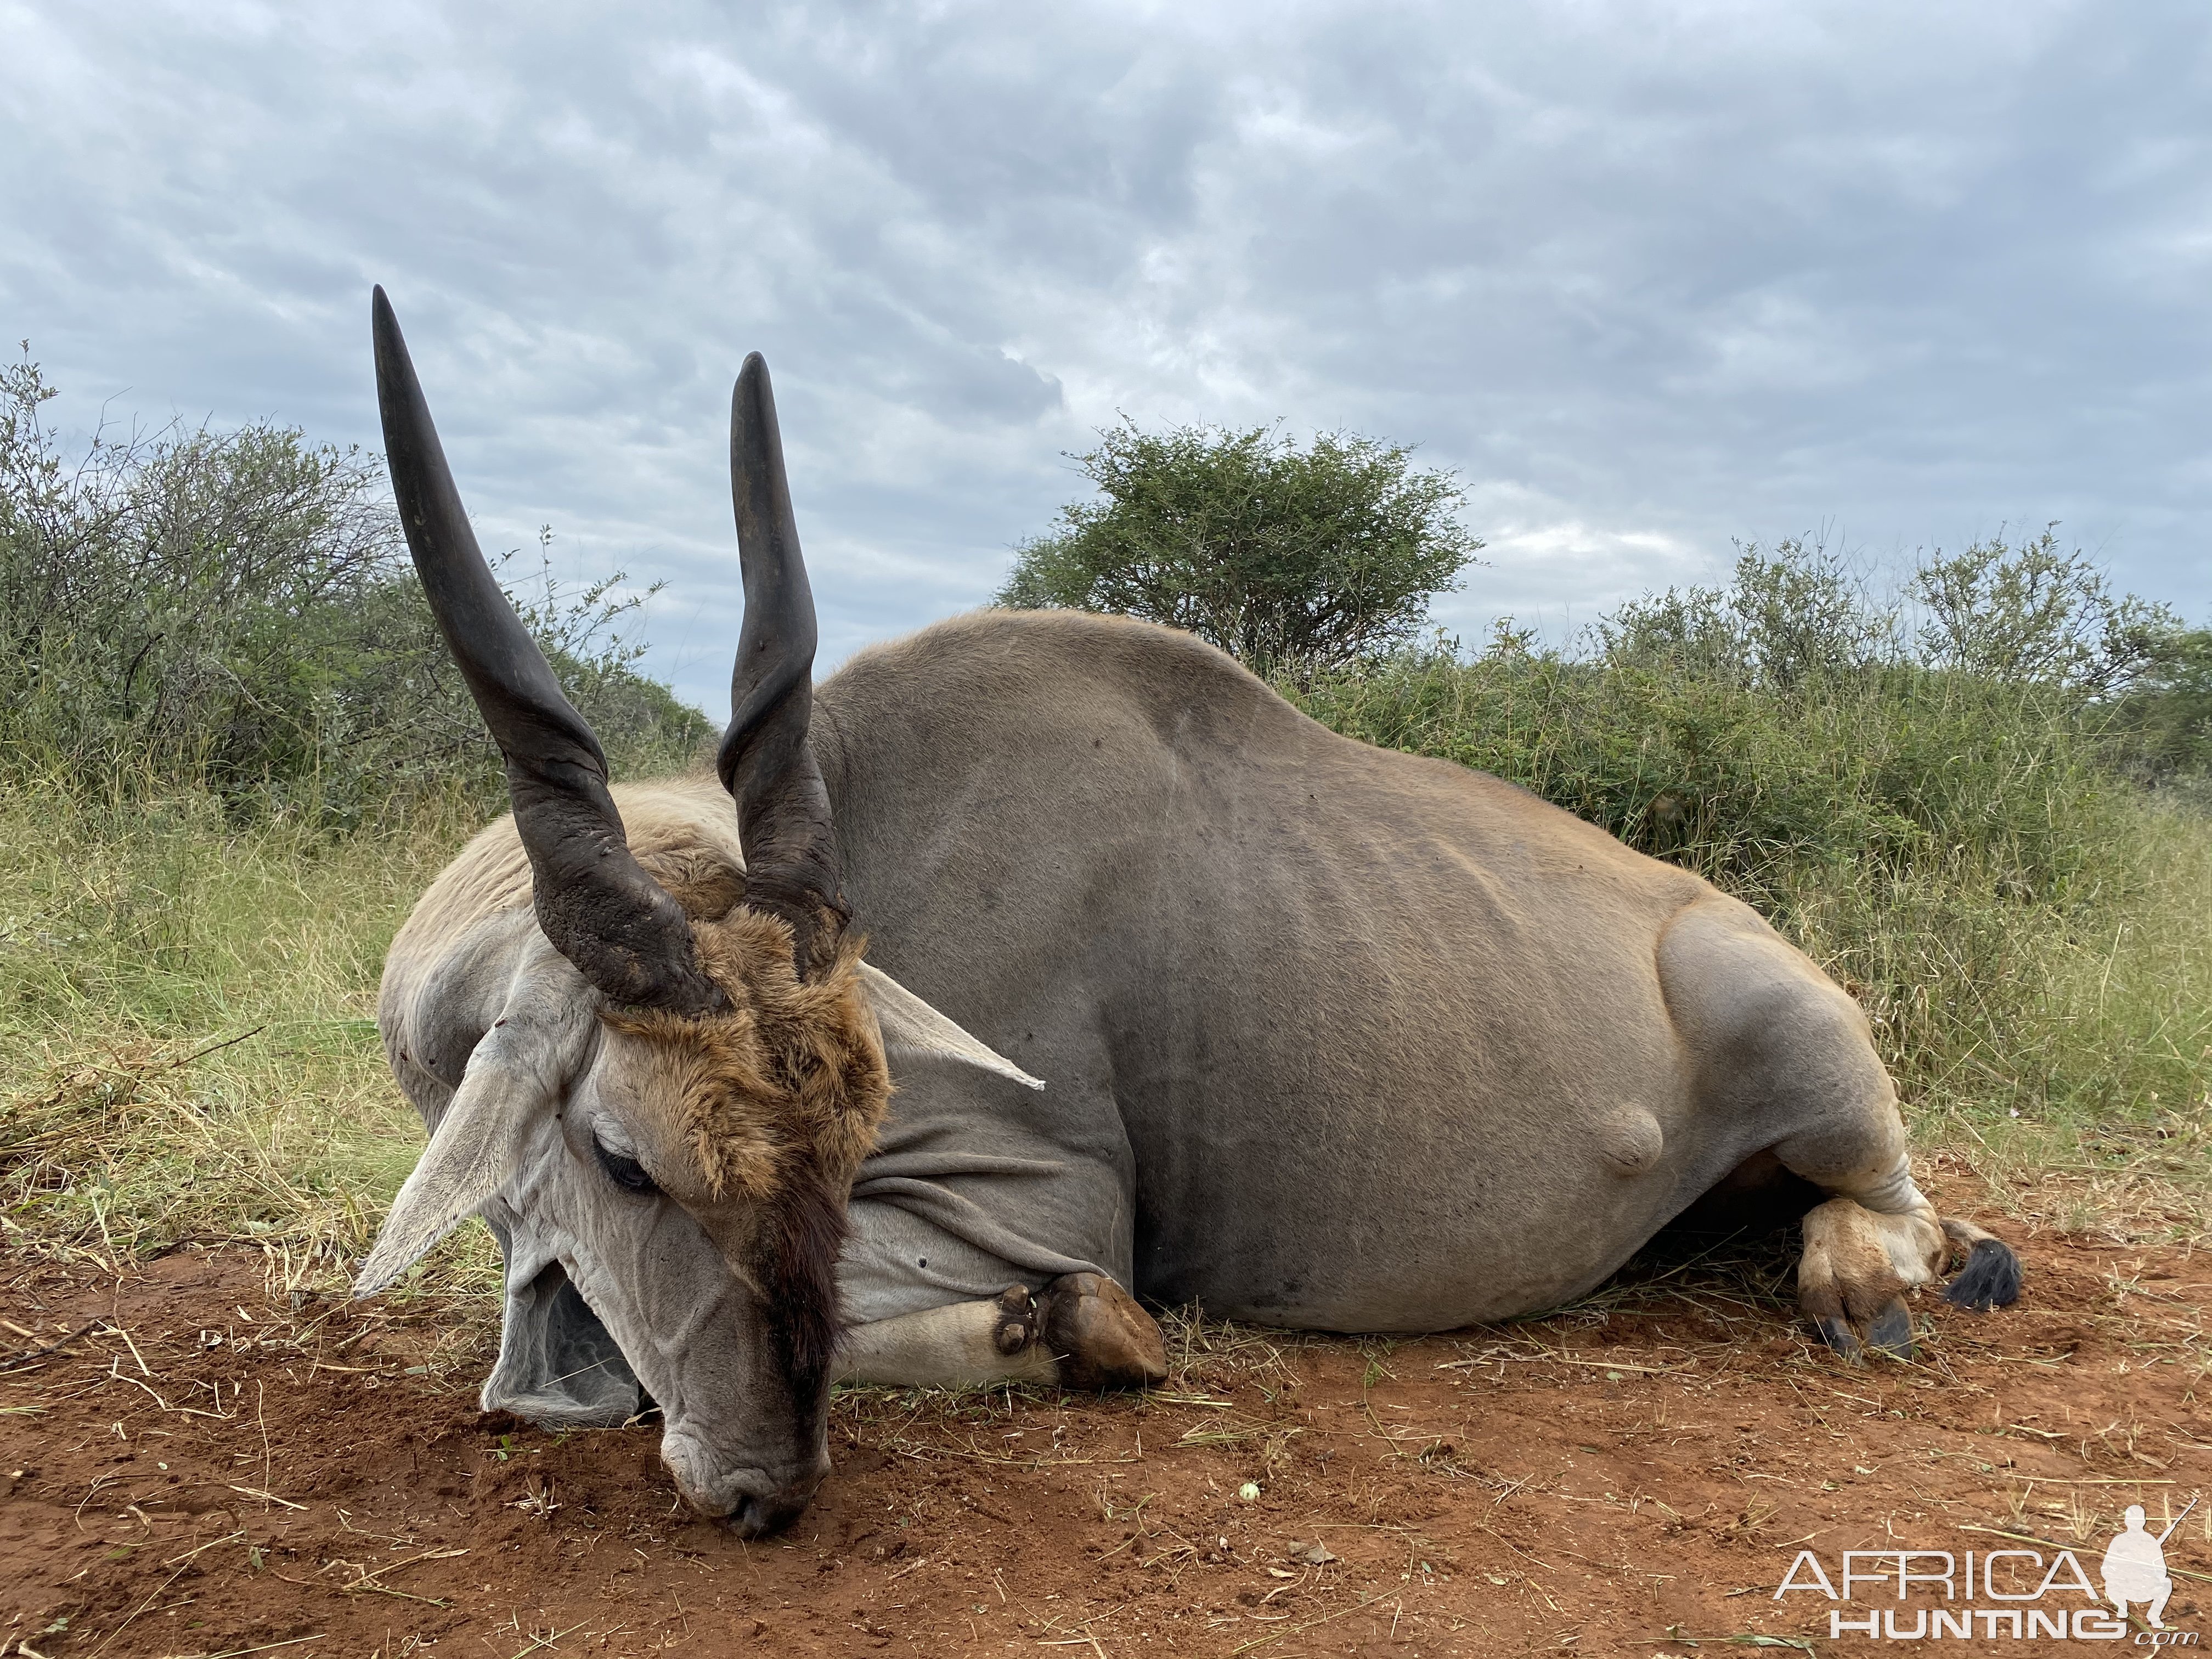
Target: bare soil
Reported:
point(196, 1460)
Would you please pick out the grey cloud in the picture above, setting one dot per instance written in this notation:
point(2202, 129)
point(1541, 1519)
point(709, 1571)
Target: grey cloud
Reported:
point(1649, 277)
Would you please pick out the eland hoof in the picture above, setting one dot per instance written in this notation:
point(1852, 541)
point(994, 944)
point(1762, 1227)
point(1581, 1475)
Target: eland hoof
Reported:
point(1099, 1336)
point(1885, 1333)
point(1890, 1331)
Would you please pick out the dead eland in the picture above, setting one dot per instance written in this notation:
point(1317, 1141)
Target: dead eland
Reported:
point(1185, 997)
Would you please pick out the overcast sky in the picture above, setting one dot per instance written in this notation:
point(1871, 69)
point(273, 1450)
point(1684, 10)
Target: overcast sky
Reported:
point(1648, 277)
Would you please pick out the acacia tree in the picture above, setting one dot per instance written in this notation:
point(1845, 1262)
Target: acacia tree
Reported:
point(1291, 559)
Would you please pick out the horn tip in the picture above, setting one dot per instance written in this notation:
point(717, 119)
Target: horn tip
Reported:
point(384, 326)
point(752, 378)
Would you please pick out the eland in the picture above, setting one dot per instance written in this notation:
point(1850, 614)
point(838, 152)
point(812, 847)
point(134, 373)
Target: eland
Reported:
point(1185, 998)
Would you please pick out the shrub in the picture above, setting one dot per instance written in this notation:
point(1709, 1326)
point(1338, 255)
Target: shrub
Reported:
point(236, 612)
point(2163, 722)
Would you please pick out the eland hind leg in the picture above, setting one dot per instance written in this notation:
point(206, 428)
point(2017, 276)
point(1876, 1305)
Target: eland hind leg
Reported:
point(1781, 1051)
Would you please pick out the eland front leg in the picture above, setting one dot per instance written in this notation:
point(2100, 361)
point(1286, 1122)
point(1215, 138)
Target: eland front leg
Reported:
point(1081, 1331)
point(967, 1264)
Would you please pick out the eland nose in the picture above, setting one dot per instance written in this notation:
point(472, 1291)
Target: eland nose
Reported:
point(752, 1498)
point(756, 1516)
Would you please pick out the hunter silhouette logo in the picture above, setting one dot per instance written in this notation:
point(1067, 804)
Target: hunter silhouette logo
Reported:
point(2134, 1566)
point(2003, 1594)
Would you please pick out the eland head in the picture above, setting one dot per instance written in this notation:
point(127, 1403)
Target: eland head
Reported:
point(682, 1058)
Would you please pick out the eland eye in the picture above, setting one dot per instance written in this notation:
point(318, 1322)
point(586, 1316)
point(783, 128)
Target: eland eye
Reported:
point(624, 1171)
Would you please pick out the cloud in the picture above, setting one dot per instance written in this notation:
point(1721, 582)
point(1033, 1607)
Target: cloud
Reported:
point(1648, 277)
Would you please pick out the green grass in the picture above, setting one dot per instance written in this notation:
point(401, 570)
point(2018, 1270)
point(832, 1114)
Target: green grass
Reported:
point(2061, 1052)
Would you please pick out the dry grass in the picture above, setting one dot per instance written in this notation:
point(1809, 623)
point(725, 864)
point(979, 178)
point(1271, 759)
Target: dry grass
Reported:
point(188, 1043)
point(1642, 1463)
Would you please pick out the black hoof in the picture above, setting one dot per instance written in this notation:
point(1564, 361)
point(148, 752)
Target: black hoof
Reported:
point(1890, 1331)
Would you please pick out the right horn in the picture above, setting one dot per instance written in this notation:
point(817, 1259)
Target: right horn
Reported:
point(766, 762)
point(597, 906)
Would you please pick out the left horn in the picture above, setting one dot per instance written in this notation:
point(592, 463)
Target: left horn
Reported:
point(766, 762)
point(598, 907)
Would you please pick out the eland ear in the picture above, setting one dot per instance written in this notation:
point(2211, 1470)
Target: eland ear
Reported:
point(472, 1155)
point(515, 1071)
point(912, 1027)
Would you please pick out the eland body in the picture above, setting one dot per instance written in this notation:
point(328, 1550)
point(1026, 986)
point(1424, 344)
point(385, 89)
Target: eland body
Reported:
point(1327, 1037)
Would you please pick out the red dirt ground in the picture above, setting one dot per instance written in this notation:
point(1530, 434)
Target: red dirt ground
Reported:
point(204, 1470)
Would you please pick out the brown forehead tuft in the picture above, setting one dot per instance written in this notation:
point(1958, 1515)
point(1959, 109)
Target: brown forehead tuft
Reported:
point(790, 1079)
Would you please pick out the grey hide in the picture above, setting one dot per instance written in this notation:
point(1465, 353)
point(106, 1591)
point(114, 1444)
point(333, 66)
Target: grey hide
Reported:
point(1335, 1037)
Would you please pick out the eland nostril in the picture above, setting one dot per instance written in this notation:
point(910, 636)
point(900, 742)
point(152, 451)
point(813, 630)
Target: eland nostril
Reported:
point(756, 1516)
